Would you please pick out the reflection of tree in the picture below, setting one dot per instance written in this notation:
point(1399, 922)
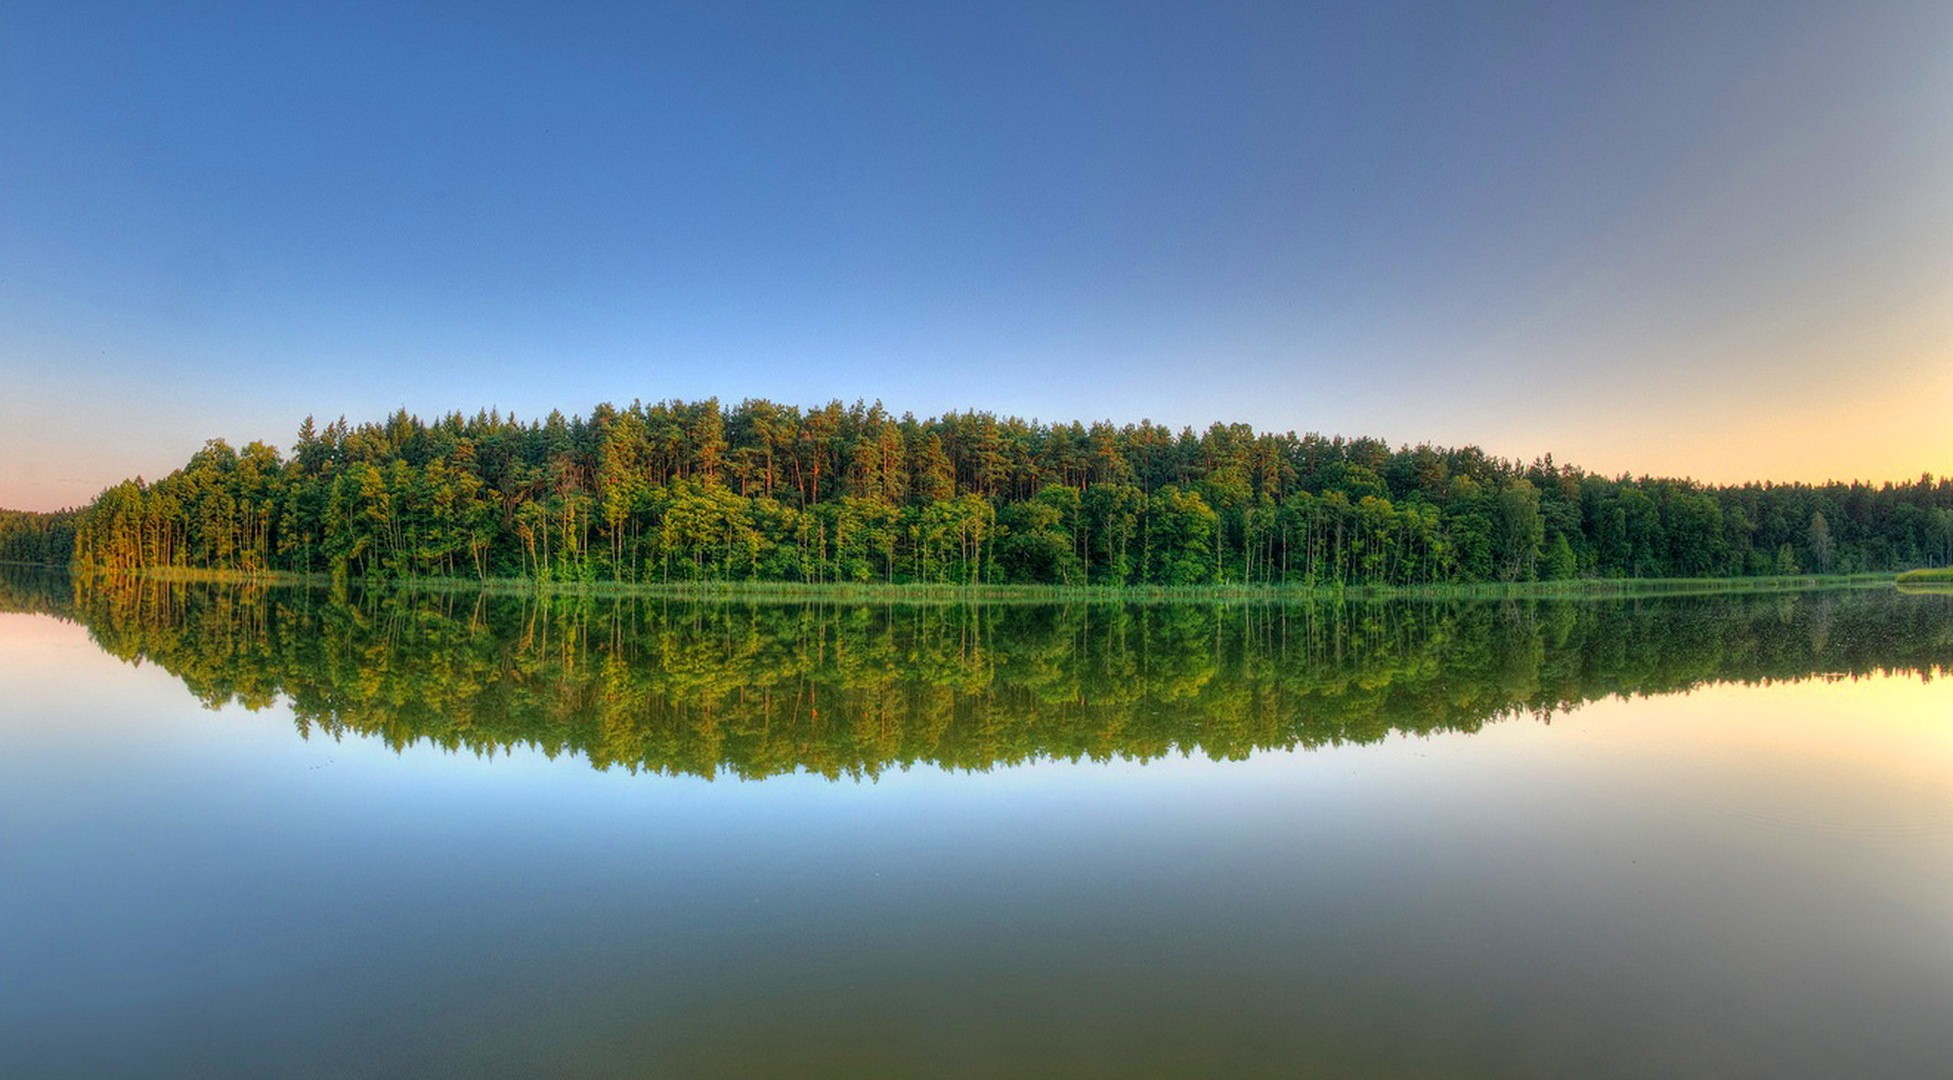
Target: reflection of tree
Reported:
point(31, 590)
point(759, 689)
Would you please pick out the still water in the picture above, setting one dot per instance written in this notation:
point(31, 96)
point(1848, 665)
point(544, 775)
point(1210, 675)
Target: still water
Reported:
point(282, 833)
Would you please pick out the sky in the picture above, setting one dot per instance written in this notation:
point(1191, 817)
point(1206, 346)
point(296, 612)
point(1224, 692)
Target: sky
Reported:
point(1690, 239)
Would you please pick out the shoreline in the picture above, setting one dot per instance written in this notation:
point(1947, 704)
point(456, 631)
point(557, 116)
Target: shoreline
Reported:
point(915, 592)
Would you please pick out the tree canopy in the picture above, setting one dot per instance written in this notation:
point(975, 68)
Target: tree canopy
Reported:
point(41, 539)
point(693, 491)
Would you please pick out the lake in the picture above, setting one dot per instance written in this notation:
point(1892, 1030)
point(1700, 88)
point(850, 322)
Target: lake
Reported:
point(278, 832)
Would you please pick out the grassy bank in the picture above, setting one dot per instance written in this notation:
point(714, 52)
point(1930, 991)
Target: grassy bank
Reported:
point(1940, 575)
point(1937, 580)
point(919, 593)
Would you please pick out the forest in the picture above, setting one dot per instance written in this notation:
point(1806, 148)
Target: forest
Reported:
point(761, 492)
point(35, 538)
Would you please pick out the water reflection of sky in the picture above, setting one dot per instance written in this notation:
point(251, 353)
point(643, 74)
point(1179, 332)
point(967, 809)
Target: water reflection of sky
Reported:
point(1745, 879)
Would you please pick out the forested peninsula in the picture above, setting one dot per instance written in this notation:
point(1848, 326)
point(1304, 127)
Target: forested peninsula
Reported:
point(681, 492)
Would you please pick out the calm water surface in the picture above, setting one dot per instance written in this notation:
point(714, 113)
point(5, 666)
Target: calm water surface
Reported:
point(279, 833)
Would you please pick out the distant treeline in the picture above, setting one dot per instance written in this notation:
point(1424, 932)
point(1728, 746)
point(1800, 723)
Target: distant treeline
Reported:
point(763, 492)
point(760, 689)
point(42, 539)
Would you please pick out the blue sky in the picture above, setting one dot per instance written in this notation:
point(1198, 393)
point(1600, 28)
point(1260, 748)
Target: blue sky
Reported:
point(1699, 239)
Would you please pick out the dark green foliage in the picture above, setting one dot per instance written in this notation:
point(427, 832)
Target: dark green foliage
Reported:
point(679, 492)
point(40, 539)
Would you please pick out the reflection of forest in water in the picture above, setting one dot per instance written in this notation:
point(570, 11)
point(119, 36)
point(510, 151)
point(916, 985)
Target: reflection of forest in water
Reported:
point(756, 689)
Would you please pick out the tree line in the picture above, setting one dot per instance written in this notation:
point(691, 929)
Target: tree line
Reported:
point(760, 689)
point(42, 539)
point(693, 491)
